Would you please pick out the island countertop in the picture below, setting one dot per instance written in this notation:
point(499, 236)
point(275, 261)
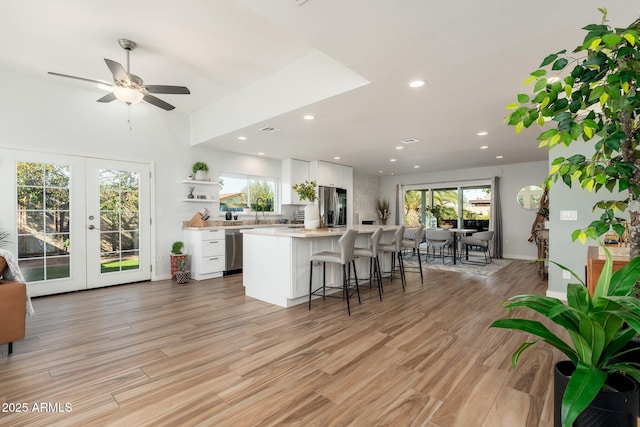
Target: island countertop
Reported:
point(306, 234)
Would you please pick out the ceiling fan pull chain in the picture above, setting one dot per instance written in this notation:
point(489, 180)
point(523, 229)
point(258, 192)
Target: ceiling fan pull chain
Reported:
point(129, 117)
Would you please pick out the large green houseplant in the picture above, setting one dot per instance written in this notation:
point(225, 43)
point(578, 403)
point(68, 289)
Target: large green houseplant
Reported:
point(596, 329)
point(591, 94)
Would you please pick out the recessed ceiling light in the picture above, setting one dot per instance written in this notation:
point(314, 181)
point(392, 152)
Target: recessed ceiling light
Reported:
point(417, 83)
point(242, 138)
point(261, 154)
point(309, 117)
point(416, 167)
point(336, 158)
point(399, 148)
point(484, 147)
point(380, 171)
point(391, 174)
point(392, 160)
point(499, 157)
point(483, 133)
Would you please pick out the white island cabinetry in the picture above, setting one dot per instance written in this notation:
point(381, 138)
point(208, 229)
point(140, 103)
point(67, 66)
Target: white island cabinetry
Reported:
point(276, 262)
point(206, 248)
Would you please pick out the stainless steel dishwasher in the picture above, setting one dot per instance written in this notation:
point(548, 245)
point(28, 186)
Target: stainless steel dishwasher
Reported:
point(233, 250)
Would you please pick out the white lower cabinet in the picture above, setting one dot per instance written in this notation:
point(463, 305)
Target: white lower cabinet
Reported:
point(206, 248)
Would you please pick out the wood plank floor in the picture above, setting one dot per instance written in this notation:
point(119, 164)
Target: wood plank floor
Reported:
point(204, 354)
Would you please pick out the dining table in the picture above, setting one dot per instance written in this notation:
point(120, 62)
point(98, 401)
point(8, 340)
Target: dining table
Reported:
point(456, 232)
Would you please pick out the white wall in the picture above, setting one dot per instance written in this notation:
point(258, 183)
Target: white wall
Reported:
point(516, 220)
point(561, 248)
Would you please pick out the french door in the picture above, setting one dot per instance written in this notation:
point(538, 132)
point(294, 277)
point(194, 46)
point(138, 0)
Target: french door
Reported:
point(117, 222)
point(79, 222)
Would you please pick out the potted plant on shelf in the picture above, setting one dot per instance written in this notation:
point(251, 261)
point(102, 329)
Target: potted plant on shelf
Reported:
point(177, 258)
point(598, 328)
point(200, 169)
point(307, 191)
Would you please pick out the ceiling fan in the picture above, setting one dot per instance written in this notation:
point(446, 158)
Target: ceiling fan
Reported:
point(128, 87)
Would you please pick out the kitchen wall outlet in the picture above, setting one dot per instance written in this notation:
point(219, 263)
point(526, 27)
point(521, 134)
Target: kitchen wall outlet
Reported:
point(568, 215)
point(566, 275)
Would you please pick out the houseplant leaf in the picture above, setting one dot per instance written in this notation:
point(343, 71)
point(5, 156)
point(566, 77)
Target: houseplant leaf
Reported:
point(585, 383)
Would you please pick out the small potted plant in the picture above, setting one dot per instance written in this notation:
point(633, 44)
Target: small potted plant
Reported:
point(200, 169)
point(599, 329)
point(177, 258)
point(307, 191)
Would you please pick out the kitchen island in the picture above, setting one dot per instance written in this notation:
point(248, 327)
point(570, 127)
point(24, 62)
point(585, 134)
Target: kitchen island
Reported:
point(276, 261)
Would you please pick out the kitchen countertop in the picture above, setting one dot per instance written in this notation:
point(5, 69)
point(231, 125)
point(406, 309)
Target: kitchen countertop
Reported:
point(243, 227)
point(302, 233)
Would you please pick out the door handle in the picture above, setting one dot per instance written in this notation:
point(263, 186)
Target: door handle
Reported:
point(92, 227)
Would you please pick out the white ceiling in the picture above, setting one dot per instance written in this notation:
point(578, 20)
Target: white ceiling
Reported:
point(256, 63)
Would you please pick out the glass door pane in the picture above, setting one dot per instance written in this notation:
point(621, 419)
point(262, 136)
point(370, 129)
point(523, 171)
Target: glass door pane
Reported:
point(119, 234)
point(447, 198)
point(476, 205)
point(43, 220)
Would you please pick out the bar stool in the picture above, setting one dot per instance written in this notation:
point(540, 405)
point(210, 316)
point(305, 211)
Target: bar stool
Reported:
point(344, 257)
point(395, 248)
point(414, 245)
point(371, 252)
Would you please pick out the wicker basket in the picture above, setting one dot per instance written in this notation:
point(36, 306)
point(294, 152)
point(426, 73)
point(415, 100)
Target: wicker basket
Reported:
point(182, 277)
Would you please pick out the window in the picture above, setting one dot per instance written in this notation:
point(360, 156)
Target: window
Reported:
point(44, 241)
point(468, 205)
point(252, 193)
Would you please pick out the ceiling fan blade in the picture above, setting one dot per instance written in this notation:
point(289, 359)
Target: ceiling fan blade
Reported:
point(107, 98)
point(81, 78)
point(157, 102)
point(118, 71)
point(177, 90)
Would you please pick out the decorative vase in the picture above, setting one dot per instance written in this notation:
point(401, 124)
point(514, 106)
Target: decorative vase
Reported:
point(311, 216)
point(201, 176)
point(609, 408)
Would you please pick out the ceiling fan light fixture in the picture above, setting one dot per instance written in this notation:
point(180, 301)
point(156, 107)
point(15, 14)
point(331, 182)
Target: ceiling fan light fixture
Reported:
point(127, 95)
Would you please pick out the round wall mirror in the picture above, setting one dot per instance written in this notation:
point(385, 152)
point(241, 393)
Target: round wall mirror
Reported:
point(529, 197)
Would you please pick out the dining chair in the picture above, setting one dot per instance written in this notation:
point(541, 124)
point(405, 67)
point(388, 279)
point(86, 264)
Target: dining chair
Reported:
point(480, 241)
point(344, 257)
point(438, 240)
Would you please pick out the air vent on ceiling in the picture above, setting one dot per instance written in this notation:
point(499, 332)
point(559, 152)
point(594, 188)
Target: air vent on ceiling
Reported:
point(409, 140)
point(269, 129)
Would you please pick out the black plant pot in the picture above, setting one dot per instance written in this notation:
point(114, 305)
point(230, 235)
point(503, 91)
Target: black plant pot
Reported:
point(631, 356)
point(608, 409)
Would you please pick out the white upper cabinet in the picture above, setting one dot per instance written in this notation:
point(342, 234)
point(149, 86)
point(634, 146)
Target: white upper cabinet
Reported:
point(293, 172)
point(331, 174)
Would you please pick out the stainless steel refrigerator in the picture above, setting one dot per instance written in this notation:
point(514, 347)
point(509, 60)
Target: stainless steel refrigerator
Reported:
point(333, 206)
